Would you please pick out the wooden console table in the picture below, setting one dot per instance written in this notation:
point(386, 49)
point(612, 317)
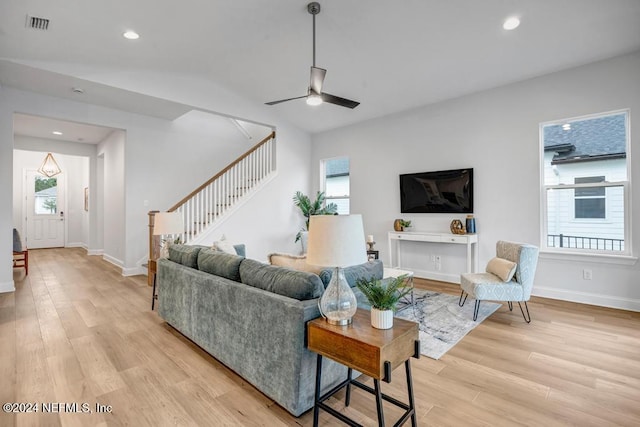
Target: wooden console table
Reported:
point(470, 240)
point(374, 352)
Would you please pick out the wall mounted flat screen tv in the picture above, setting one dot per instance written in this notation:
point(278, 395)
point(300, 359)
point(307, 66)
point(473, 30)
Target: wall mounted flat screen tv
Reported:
point(448, 191)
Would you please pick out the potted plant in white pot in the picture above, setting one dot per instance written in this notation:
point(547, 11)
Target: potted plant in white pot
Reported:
point(308, 208)
point(383, 298)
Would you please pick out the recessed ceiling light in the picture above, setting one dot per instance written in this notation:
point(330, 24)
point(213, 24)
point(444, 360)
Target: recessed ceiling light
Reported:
point(56, 132)
point(131, 35)
point(511, 23)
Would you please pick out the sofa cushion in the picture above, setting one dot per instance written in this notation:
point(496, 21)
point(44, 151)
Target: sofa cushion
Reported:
point(220, 263)
point(299, 285)
point(184, 254)
point(373, 269)
point(294, 262)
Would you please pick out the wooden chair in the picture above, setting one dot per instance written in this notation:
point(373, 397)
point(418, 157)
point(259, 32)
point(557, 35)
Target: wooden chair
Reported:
point(20, 254)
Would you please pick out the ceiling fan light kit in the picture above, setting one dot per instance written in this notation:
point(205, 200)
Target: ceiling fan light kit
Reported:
point(314, 95)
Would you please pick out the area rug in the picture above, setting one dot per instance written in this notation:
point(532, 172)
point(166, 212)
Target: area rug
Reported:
point(442, 322)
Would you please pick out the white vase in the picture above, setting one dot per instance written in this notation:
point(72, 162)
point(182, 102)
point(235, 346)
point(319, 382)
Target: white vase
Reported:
point(304, 240)
point(381, 319)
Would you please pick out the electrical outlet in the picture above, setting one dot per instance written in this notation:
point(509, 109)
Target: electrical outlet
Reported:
point(587, 274)
point(438, 266)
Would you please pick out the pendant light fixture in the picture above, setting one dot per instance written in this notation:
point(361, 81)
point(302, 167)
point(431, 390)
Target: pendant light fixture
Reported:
point(49, 167)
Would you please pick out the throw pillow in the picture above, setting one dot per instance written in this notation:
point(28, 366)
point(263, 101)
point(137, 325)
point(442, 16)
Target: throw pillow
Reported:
point(219, 263)
point(373, 269)
point(294, 262)
point(299, 285)
point(225, 246)
point(184, 254)
point(503, 268)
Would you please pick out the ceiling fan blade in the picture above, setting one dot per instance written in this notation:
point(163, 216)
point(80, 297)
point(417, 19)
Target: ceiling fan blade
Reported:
point(285, 100)
point(343, 102)
point(317, 77)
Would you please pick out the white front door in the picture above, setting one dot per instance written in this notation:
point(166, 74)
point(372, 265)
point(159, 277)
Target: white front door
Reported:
point(44, 210)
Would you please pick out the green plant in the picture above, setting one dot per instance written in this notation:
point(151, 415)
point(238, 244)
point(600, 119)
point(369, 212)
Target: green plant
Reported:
point(404, 223)
point(381, 296)
point(316, 207)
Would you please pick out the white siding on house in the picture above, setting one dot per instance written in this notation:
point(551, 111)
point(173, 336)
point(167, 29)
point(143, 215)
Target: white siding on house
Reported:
point(561, 203)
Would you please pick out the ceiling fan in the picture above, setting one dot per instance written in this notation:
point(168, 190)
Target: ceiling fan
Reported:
point(314, 95)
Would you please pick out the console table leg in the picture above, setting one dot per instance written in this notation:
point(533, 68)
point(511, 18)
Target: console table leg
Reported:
point(153, 293)
point(347, 400)
point(316, 408)
point(376, 386)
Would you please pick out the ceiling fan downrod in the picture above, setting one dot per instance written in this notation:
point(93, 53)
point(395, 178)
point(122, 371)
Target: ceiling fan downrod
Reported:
point(314, 8)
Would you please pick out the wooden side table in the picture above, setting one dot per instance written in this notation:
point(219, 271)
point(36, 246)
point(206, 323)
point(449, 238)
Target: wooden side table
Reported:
point(374, 352)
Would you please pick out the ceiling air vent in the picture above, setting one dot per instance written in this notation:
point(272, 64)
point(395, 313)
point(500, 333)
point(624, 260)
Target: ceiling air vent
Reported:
point(37, 23)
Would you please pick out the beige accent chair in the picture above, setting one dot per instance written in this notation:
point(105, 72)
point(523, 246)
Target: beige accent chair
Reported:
point(513, 286)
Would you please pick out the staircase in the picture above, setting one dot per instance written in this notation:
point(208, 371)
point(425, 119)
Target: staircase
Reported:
point(212, 202)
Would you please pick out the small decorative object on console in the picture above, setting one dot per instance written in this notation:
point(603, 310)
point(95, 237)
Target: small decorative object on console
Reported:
point(457, 227)
point(400, 224)
point(471, 224)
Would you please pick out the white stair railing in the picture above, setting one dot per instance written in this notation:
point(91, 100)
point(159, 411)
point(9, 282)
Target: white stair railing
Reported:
point(210, 202)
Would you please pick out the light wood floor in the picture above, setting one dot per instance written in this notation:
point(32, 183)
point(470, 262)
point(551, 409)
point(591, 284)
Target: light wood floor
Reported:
point(75, 331)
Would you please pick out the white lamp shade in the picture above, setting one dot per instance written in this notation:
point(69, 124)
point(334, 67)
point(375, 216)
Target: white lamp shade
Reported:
point(168, 223)
point(336, 241)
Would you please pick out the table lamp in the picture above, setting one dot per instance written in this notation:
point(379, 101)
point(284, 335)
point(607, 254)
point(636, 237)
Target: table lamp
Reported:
point(168, 223)
point(337, 241)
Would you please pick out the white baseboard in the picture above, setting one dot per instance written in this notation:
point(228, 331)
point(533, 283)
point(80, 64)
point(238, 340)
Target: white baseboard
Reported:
point(93, 252)
point(75, 245)
point(7, 287)
point(112, 260)
point(134, 271)
point(436, 275)
point(587, 298)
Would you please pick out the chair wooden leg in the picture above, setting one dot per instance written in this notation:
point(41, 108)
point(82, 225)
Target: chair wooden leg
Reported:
point(510, 303)
point(461, 301)
point(26, 263)
point(527, 318)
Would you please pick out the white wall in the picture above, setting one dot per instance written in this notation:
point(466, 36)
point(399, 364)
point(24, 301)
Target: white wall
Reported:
point(496, 133)
point(162, 165)
point(112, 150)
point(6, 194)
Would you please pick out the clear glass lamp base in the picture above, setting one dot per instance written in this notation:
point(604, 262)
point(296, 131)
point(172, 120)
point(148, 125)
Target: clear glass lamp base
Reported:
point(338, 302)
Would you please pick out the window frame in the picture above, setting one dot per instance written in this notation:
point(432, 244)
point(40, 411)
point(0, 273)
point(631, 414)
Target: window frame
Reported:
point(603, 196)
point(323, 180)
point(625, 184)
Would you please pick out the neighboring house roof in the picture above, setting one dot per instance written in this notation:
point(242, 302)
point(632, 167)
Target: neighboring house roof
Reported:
point(337, 167)
point(587, 140)
point(47, 192)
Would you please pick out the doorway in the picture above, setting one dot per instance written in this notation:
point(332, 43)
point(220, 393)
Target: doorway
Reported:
point(44, 210)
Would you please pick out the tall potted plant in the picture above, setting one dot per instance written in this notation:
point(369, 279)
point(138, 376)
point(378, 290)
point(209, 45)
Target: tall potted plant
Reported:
point(307, 208)
point(383, 298)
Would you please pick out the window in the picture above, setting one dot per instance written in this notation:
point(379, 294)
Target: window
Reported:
point(585, 184)
point(590, 202)
point(335, 182)
point(45, 196)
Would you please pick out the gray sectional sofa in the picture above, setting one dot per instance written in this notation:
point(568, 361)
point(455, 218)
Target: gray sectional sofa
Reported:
point(251, 317)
